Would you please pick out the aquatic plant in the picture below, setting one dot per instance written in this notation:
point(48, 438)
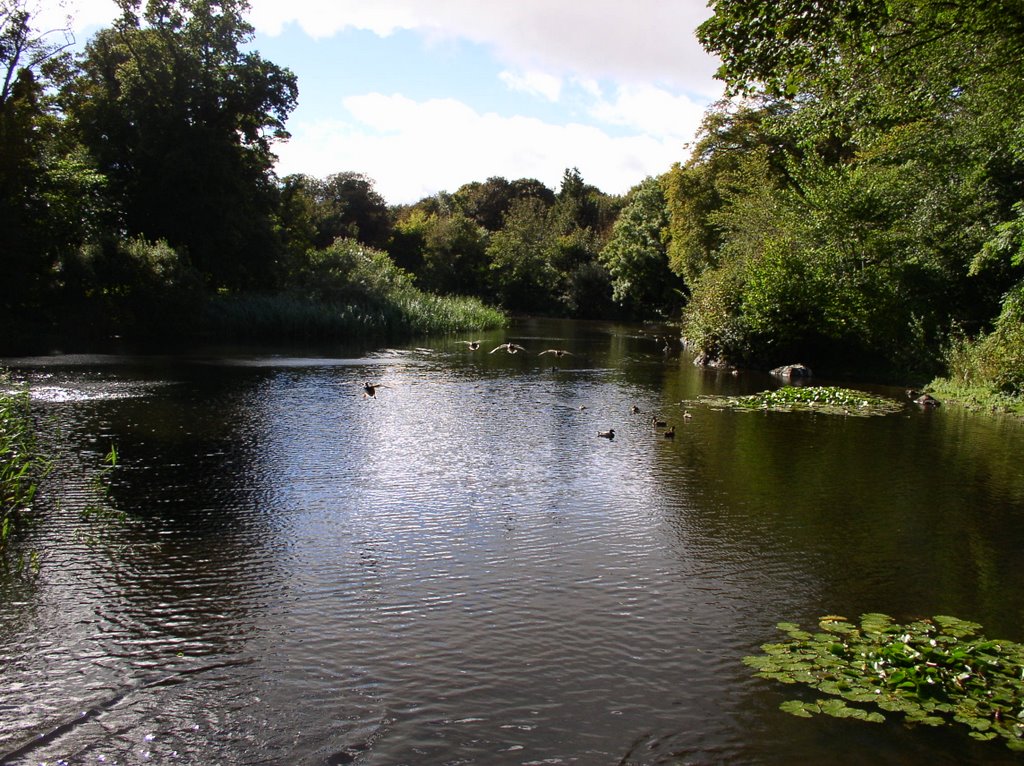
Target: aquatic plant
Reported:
point(21, 467)
point(827, 399)
point(935, 672)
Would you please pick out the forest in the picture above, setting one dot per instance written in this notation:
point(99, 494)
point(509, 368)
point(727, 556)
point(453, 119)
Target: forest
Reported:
point(854, 202)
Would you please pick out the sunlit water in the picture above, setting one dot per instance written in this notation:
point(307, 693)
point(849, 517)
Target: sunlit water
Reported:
point(460, 571)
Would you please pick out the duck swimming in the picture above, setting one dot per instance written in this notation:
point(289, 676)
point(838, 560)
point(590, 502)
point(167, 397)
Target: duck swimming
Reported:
point(609, 434)
point(657, 423)
point(670, 433)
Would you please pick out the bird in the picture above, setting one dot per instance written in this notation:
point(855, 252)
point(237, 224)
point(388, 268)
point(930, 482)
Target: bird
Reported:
point(472, 344)
point(670, 433)
point(609, 434)
point(687, 415)
point(559, 352)
point(635, 410)
point(657, 423)
point(370, 389)
point(512, 348)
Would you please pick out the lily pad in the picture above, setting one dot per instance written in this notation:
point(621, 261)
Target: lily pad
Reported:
point(831, 400)
point(933, 672)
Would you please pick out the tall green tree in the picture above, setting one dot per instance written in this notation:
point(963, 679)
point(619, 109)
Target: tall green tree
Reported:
point(50, 197)
point(181, 119)
point(895, 127)
point(636, 256)
point(346, 205)
point(520, 259)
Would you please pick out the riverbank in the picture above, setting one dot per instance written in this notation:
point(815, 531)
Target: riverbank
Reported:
point(976, 398)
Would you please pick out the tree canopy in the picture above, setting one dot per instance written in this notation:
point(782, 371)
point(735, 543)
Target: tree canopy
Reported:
point(181, 120)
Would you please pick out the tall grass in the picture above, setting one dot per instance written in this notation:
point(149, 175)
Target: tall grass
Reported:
point(21, 464)
point(988, 371)
point(286, 316)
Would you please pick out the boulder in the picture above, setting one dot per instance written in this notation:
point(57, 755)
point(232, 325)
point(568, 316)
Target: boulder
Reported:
point(791, 371)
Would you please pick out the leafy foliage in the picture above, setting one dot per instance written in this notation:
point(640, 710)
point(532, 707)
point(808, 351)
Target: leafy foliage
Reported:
point(933, 672)
point(180, 118)
point(636, 258)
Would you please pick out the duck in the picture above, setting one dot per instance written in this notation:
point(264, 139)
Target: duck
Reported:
point(635, 410)
point(370, 389)
point(670, 433)
point(512, 348)
point(687, 415)
point(473, 345)
point(657, 423)
point(609, 434)
point(558, 352)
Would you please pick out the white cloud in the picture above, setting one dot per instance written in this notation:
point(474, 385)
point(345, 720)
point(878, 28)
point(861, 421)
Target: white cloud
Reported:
point(632, 70)
point(644, 40)
point(533, 82)
point(413, 149)
point(652, 110)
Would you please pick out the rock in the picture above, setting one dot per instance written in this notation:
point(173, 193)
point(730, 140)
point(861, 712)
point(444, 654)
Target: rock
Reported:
point(793, 371)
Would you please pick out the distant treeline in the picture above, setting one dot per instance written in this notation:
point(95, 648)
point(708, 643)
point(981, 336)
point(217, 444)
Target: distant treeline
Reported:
point(854, 203)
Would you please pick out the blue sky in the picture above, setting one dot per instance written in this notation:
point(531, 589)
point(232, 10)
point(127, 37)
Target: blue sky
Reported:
point(425, 95)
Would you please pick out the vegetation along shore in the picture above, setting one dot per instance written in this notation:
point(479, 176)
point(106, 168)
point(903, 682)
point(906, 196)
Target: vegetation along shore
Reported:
point(854, 202)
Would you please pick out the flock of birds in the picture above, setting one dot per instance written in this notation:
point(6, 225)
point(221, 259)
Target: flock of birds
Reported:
point(370, 389)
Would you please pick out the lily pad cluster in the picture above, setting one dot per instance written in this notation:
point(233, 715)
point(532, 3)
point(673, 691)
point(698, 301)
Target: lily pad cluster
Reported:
point(933, 672)
point(827, 399)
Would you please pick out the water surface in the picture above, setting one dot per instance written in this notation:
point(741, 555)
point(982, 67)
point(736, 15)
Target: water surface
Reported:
point(460, 571)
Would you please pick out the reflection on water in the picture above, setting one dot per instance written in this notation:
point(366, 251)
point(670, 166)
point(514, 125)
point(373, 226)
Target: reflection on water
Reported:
point(460, 571)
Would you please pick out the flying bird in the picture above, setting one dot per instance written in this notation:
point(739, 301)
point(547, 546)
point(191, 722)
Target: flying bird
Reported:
point(559, 352)
point(512, 348)
point(472, 344)
point(370, 389)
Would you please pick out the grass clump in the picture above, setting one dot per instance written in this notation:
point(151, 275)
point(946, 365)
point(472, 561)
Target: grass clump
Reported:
point(21, 466)
point(987, 372)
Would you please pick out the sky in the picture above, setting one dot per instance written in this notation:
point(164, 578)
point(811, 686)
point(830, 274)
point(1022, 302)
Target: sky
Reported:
point(423, 96)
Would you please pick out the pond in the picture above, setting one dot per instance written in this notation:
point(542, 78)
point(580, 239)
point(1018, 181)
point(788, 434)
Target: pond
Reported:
point(281, 570)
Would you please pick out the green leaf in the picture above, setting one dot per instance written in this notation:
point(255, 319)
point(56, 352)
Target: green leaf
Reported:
point(797, 708)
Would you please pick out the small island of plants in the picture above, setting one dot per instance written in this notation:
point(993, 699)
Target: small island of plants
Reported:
point(826, 399)
point(935, 672)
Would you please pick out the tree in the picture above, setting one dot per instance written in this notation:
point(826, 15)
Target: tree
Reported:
point(50, 198)
point(487, 202)
point(519, 254)
point(636, 258)
point(181, 120)
point(346, 205)
point(885, 154)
